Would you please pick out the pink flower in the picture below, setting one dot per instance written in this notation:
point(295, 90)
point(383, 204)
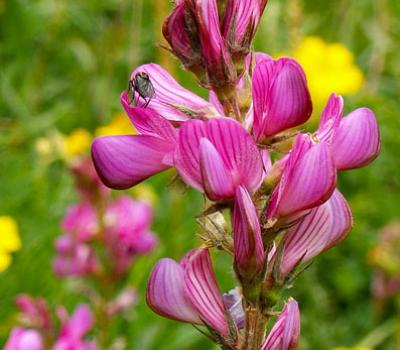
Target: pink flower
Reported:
point(248, 244)
point(308, 180)
point(280, 96)
point(24, 339)
point(322, 228)
point(127, 231)
point(286, 331)
point(179, 34)
point(34, 312)
point(354, 139)
point(240, 24)
point(74, 329)
point(187, 291)
point(73, 257)
point(123, 161)
point(171, 100)
point(81, 221)
point(217, 156)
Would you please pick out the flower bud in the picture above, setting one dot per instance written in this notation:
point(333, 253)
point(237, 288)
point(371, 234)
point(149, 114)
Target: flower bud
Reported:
point(286, 331)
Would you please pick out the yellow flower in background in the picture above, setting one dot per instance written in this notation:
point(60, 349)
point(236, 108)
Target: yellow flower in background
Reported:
point(119, 125)
point(77, 142)
point(329, 67)
point(9, 241)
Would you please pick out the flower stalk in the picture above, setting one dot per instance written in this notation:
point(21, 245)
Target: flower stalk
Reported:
point(276, 184)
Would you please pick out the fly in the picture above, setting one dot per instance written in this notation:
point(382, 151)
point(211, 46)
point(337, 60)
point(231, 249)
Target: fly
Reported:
point(141, 84)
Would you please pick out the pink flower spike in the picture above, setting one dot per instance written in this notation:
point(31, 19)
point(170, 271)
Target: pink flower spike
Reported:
point(235, 147)
point(24, 339)
point(171, 100)
point(165, 293)
point(248, 244)
point(280, 96)
point(356, 141)
point(124, 161)
point(286, 331)
point(308, 180)
point(202, 290)
point(323, 228)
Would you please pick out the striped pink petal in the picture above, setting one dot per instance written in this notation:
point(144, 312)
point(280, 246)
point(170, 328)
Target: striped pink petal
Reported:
point(124, 161)
point(148, 121)
point(171, 100)
point(286, 331)
point(234, 145)
point(240, 22)
point(323, 228)
point(216, 179)
point(202, 290)
point(308, 180)
point(212, 42)
point(165, 293)
point(356, 141)
point(176, 33)
point(280, 96)
point(248, 244)
point(330, 118)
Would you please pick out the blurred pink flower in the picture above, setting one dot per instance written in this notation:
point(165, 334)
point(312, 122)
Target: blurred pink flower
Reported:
point(34, 312)
point(74, 329)
point(24, 339)
point(81, 221)
point(73, 258)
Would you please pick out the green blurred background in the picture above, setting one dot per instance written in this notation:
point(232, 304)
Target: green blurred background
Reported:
point(63, 65)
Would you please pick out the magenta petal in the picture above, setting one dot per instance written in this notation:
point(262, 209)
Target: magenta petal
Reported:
point(202, 290)
point(323, 228)
point(175, 32)
point(356, 142)
point(280, 96)
point(286, 331)
point(240, 22)
point(80, 323)
point(311, 181)
point(330, 118)
point(165, 293)
point(212, 43)
point(124, 161)
point(234, 145)
point(171, 98)
point(24, 339)
point(148, 121)
point(248, 244)
point(216, 178)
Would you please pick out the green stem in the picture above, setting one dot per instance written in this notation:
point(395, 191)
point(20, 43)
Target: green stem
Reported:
point(255, 329)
